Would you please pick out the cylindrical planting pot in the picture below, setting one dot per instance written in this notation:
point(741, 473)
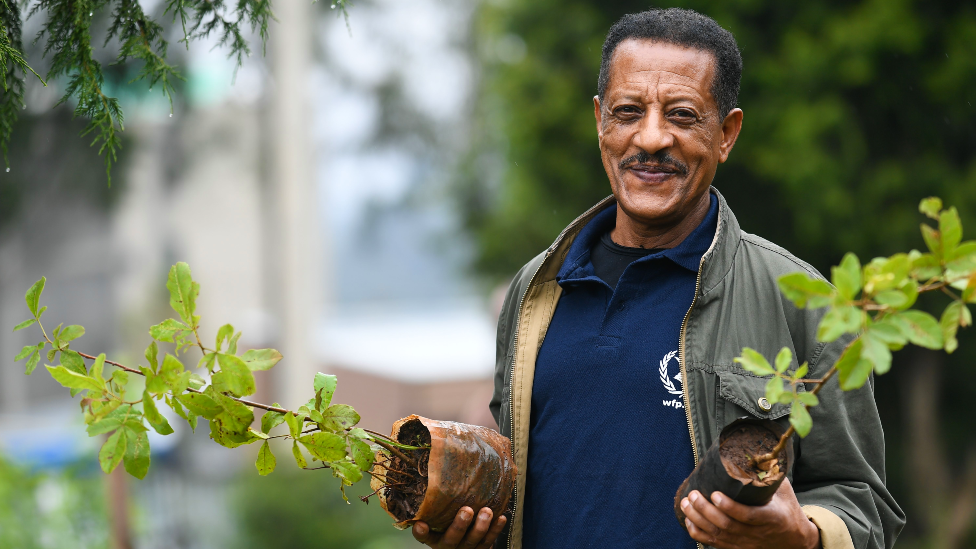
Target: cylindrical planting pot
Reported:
point(468, 465)
point(713, 474)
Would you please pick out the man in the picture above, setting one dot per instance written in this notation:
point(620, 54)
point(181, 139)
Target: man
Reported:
point(615, 346)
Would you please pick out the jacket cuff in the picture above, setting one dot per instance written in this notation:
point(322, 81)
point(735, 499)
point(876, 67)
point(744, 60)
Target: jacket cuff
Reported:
point(833, 530)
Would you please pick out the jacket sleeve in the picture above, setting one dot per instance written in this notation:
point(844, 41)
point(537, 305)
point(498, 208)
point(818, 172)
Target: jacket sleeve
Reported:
point(840, 468)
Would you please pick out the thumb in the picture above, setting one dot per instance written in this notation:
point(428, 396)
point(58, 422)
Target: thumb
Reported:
point(421, 532)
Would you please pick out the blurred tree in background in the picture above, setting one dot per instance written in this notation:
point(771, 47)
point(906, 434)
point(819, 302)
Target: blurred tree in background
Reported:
point(42, 510)
point(853, 112)
point(300, 509)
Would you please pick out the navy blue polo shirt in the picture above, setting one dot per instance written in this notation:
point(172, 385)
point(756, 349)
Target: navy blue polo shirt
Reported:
point(609, 442)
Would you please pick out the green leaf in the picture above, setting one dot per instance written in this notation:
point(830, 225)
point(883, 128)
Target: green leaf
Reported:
point(801, 372)
point(201, 405)
point(952, 317)
point(73, 361)
point(855, 377)
point(877, 352)
point(105, 425)
point(805, 291)
point(33, 359)
point(783, 359)
point(809, 399)
point(157, 420)
point(951, 230)
point(325, 386)
point(884, 330)
point(800, 419)
point(933, 241)
point(886, 273)
point(847, 276)
point(196, 381)
point(27, 351)
point(924, 266)
point(229, 439)
point(848, 359)
point(325, 446)
point(171, 370)
point(207, 361)
point(120, 377)
point(232, 344)
point(294, 424)
point(223, 333)
point(774, 388)
point(167, 330)
point(919, 327)
point(234, 376)
point(236, 417)
point(71, 333)
point(361, 454)
point(261, 359)
point(754, 362)
point(299, 458)
point(266, 461)
point(348, 472)
point(152, 355)
point(137, 457)
point(23, 325)
point(271, 419)
point(338, 417)
point(73, 380)
point(182, 292)
point(33, 295)
point(930, 206)
point(113, 451)
point(892, 298)
point(839, 321)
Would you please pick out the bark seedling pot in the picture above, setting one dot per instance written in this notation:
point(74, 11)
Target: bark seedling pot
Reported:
point(464, 465)
point(727, 466)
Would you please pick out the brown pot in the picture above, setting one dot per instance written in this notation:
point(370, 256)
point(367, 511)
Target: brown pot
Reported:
point(717, 471)
point(467, 465)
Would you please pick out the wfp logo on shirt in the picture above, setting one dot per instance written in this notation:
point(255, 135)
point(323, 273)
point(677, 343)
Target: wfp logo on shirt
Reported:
point(668, 381)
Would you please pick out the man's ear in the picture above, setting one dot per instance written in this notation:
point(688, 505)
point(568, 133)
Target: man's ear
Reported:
point(598, 113)
point(731, 127)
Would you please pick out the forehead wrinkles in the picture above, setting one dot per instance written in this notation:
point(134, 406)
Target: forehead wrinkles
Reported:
point(657, 83)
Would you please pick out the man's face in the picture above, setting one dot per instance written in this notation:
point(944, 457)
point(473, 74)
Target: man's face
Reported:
point(661, 135)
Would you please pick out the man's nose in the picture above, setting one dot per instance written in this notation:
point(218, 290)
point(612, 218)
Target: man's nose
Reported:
point(653, 134)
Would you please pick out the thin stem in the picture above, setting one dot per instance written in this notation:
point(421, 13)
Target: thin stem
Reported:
point(316, 468)
point(398, 453)
point(396, 442)
point(772, 455)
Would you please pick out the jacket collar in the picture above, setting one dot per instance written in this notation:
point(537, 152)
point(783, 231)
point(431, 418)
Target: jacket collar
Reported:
point(715, 264)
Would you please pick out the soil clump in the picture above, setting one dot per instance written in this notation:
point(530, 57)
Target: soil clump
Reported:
point(408, 483)
point(744, 443)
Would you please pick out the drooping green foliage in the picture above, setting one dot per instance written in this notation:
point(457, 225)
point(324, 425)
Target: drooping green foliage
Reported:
point(874, 302)
point(67, 35)
point(852, 111)
point(327, 431)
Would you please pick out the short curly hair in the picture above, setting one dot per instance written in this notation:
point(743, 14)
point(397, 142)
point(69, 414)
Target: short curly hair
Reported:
point(686, 28)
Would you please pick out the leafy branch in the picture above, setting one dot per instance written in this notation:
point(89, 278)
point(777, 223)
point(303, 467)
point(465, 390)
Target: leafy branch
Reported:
point(874, 302)
point(67, 31)
point(217, 396)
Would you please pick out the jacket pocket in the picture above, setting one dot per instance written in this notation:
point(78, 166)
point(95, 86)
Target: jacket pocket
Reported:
point(741, 395)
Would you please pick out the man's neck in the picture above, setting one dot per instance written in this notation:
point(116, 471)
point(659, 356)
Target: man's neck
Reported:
point(632, 233)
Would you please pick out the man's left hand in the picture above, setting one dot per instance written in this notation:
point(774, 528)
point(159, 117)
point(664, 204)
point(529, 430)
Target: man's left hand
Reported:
point(725, 524)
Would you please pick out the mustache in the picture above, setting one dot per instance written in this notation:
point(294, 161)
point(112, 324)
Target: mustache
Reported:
point(660, 159)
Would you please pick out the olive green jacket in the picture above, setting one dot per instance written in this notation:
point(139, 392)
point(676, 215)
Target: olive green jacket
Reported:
point(839, 473)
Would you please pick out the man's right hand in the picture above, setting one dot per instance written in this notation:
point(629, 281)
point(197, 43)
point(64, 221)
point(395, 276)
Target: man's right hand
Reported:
point(462, 533)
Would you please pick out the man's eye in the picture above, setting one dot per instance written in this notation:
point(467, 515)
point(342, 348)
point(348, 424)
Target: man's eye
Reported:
point(683, 116)
point(627, 111)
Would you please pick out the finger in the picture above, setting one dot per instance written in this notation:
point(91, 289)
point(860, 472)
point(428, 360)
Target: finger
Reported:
point(716, 515)
point(421, 532)
point(695, 516)
point(745, 514)
point(698, 534)
point(457, 529)
point(494, 532)
point(476, 534)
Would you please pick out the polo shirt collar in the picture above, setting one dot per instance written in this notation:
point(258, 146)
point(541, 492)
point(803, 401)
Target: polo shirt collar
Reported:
point(577, 267)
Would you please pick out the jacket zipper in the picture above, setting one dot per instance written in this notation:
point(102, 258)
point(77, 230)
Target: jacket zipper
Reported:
point(511, 385)
point(681, 348)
